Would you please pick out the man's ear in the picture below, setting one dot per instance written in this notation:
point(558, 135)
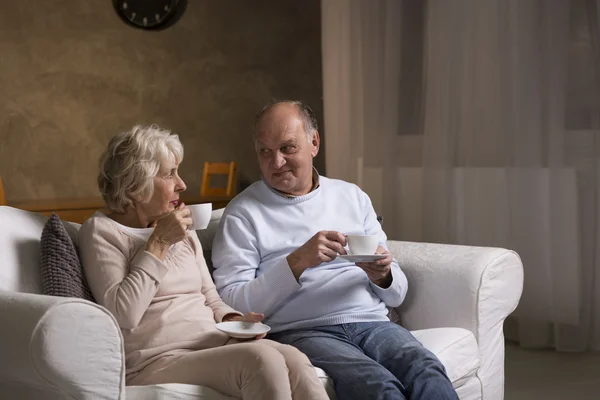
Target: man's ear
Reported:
point(316, 142)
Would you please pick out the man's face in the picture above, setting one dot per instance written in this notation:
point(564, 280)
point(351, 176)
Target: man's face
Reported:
point(285, 155)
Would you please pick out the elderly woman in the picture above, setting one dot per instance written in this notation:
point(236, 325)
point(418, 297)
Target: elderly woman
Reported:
point(145, 266)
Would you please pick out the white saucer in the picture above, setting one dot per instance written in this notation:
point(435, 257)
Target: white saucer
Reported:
point(363, 257)
point(243, 330)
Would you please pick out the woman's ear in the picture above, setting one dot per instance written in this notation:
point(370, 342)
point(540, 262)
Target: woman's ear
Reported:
point(135, 201)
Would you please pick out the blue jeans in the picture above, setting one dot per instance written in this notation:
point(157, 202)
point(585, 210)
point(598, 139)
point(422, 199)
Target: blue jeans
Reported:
point(372, 360)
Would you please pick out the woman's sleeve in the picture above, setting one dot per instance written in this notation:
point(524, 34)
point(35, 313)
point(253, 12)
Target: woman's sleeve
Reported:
point(126, 288)
point(213, 300)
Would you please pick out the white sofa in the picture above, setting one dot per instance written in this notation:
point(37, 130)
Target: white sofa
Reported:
point(64, 348)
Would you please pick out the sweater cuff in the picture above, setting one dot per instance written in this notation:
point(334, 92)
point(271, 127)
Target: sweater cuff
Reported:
point(150, 264)
point(281, 280)
point(393, 295)
point(222, 312)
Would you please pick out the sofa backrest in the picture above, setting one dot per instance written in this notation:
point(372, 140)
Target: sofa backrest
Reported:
point(20, 233)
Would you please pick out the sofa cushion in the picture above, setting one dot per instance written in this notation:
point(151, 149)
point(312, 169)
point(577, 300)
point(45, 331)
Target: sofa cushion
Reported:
point(456, 348)
point(179, 391)
point(61, 271)
point(207, 235)
point(174, 391)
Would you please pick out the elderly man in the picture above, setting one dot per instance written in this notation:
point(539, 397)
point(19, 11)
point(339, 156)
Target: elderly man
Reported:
point(276, 252)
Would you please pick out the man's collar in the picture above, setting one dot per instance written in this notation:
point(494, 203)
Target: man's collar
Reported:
point(315, 185)
point(316, 179)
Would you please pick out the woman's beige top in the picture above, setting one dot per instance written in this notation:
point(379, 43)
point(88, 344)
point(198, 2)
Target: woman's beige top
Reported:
point(163, 307)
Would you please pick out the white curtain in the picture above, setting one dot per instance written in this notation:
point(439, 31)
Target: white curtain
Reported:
point(494, 161)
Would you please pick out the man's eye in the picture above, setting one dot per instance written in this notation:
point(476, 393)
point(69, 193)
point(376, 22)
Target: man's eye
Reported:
point(265, 151)
point(288, 149)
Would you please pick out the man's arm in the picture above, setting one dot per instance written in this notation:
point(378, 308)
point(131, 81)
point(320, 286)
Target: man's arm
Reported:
point(394, 294)
point(236, 258)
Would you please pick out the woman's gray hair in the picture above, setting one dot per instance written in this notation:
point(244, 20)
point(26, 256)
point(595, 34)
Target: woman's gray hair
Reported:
point(309, 120)
point(130, 163)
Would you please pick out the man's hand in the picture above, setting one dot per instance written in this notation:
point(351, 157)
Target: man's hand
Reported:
point(323, 247)
point(250, 317)
point(380, 271)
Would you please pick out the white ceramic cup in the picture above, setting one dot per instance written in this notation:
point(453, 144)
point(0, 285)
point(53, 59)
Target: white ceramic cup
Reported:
point(200, 215)
point(362, 244)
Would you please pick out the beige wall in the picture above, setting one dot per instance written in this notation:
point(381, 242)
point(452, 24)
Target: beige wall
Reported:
point(72, 74)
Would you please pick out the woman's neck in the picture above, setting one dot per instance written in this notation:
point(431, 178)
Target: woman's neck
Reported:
point(130, 218)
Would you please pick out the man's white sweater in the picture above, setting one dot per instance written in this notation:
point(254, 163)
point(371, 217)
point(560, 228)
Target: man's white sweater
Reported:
point(261, 227)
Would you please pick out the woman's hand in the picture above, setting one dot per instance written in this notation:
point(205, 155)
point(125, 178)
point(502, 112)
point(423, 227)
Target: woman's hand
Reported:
point(168, 230)
point(250, 317)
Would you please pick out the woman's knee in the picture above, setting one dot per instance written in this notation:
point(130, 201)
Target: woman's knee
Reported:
point(293, 356)
point(262, 357)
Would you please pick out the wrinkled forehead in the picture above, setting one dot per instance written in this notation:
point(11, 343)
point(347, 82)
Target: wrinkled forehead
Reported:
point(168, 161)
point(272, 131)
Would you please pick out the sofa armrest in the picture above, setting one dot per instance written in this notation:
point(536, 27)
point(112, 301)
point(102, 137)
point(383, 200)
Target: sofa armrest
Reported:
point(67, 346)
point(468, 287)
point(474, 288)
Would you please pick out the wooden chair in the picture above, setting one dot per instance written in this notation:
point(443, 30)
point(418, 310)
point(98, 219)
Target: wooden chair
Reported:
point(228, 169)
point(2, 195)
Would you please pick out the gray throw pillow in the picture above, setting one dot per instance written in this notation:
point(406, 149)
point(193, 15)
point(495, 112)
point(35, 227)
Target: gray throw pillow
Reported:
point(62, 274)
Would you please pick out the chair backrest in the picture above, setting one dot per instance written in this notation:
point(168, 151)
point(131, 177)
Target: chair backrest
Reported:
point(228, 169)
point(2, 195)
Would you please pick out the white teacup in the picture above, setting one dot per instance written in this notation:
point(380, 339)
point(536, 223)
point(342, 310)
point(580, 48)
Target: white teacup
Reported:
point(200, 215)
point(362, 244)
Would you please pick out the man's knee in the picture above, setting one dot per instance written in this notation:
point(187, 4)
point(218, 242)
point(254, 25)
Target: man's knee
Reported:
point(422, 357)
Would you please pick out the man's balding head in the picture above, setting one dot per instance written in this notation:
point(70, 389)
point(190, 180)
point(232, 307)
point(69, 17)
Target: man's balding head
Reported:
point(304, 112)
point(285, 155)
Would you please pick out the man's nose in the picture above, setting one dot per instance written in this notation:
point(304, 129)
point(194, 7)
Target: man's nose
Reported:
point(278, 161)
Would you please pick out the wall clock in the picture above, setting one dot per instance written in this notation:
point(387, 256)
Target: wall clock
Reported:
point(150, 14)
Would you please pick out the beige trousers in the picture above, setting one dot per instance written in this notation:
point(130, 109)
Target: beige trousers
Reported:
point(257, 369)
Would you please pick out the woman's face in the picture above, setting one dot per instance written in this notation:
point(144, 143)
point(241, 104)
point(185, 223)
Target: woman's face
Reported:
point(167, 186)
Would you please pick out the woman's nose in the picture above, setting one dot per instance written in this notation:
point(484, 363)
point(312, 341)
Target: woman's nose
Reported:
point(180, 187)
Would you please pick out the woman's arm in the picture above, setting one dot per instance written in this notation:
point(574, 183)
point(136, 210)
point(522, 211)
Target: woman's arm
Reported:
point(213, 300)
point(125, 288)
